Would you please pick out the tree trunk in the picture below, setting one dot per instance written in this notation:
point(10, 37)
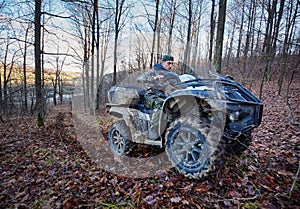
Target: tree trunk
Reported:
point(5, 80)
point(196, 31)
point(24, 70)
point(115, 58)
point(172, 21)
point(158, 48)
point(267, 45)
point(238, 51)
point(95, 11)
point(154, 32)
point(230, 47)
point(188, 40)
point(37, 56)
point(220, 35)
point(247, 43)
point(98, 58)
point(117, 22)
point(212, 30)
point(86, 68)
point(119, 12)
point(104, 47)
point(195, 47)
point(278, 19)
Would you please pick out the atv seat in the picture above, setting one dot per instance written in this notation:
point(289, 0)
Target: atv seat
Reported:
point(130, 95)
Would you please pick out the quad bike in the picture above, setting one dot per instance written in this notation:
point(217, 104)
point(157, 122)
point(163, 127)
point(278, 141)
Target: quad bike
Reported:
point(201, 119)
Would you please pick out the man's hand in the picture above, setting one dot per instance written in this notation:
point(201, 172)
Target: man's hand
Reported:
point(159, 78)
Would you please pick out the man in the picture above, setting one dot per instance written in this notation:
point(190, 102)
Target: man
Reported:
point(158, 79)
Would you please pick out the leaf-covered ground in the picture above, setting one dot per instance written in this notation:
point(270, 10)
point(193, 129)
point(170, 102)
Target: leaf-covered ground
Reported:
point(47, 168)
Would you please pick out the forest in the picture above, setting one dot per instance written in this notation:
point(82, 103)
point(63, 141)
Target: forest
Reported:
point(60, 57)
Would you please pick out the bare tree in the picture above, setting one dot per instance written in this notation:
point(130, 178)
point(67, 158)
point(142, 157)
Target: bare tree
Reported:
point(105, 24)
point(82, 22)
point(241, 29)
point(172, 17)
point(56, 78)
point(7, 70)
point(196, 32)
point(24, 67)
point(291, 10)
point(188, 15)
point(121, 12)
point(251, 19)
point(188, 38)
point(154, 26)
point(270, 39)
point(94, 24)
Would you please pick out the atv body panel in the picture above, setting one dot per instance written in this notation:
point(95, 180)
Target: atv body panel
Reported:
point(243, 109)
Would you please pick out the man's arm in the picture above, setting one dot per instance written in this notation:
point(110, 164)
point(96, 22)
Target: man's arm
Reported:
point(147, 77)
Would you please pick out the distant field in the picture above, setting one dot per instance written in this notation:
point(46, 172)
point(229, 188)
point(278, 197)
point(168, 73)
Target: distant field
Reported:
point(17, 75)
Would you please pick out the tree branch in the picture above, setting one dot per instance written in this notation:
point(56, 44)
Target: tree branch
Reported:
point(17, 39)
point(61, 54)
point(55, 15)
point(76, 1)
point(296, 177)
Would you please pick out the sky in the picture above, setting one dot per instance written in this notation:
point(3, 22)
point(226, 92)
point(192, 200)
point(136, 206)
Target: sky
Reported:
point(58, 41)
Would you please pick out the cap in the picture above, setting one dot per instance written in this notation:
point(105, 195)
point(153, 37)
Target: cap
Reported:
point(167, 58)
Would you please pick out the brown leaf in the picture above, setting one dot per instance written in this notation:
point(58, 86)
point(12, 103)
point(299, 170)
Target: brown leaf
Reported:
point(70, 203)
point(201, 188)
point(169, 184)
point(270, 180)
point(285, 173)
point(266, 187)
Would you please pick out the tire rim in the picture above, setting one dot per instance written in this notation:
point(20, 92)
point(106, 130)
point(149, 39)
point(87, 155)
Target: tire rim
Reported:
point(189, 149)
point(118, 141)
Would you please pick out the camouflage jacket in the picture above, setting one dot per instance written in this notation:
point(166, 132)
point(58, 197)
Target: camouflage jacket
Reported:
point(170, 78)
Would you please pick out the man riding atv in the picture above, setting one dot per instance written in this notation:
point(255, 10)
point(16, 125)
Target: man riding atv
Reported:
point(195, 122)
point(155, 93)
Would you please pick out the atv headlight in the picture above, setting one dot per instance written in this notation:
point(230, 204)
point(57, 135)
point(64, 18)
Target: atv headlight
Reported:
point(234, 116)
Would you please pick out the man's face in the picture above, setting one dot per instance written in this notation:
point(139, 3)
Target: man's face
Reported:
point(167, 65)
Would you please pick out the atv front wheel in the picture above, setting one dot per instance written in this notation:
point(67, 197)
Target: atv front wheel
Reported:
point(188, 148)
point(119, 138)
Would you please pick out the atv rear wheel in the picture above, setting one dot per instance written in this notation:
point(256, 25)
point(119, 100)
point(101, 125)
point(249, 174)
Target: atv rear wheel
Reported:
point(119, 138)
point(188, 148)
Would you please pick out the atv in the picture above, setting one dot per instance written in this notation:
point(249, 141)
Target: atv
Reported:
point(201, 120)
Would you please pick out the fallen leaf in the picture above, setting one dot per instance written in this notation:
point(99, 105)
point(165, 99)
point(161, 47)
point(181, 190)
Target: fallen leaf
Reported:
point(175, 199)
point(201, 188)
